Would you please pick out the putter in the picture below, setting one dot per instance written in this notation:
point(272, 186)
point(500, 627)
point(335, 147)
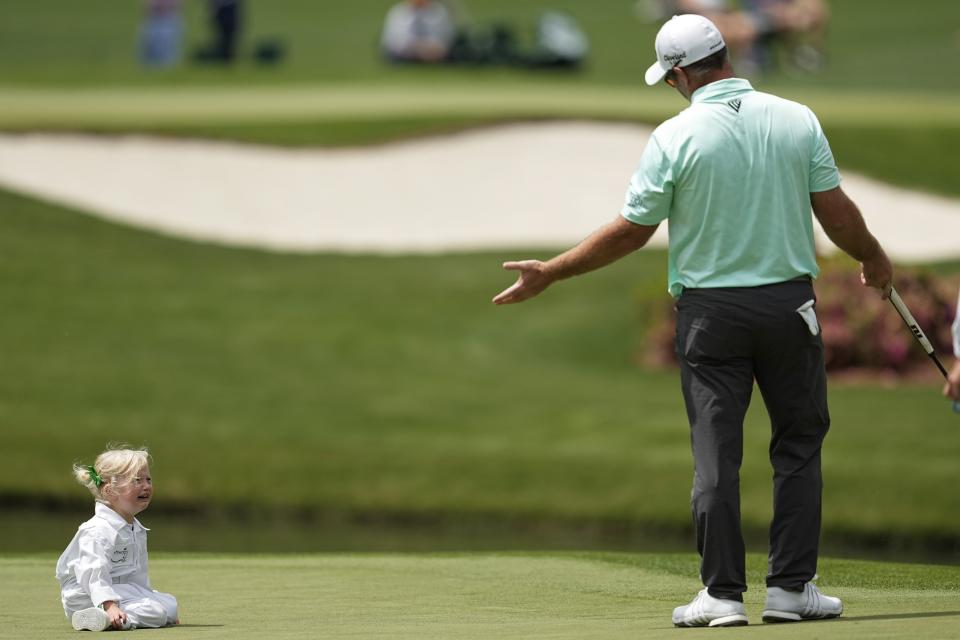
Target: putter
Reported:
point(919, 335)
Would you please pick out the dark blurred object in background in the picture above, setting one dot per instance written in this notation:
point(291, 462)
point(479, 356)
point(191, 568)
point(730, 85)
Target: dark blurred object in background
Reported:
point(161, 33)
point(269, 51)
point(226, 22)
point(426, 32)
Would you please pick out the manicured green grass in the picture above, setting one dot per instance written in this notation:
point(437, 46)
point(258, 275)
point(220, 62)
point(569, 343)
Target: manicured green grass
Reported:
point(556, 596)
point(391, 385)
point(896, 155)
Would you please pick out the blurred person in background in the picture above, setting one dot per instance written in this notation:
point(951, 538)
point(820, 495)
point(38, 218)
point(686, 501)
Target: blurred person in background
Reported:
point(737, 27)
point(430, 31)
point(754, 28)
point(226, 22)
point(226, 17)
point(418, 31)
point(560, 43)
point(161, 33)
point(800, 25)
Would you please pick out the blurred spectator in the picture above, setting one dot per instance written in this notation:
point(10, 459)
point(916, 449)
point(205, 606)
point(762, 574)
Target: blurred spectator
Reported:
point(160, 33)
point(418, 31)
point(226, 21)
point(737, 27)
point(800, 24)
point(560, 42)
point(757, 27)
point(425, 31)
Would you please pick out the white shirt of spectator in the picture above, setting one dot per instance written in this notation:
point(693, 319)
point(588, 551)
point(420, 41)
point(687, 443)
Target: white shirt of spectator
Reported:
point(106, 550)
point(407, 27)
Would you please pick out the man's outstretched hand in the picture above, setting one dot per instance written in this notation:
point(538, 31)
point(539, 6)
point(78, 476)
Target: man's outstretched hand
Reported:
point(532, 280)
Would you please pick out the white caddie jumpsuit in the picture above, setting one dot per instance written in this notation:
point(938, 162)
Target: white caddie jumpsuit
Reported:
point(107, 560)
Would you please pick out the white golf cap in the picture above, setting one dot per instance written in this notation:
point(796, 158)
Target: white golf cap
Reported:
point(681, 41)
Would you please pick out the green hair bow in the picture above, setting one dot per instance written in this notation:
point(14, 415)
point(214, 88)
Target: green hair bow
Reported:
point(97, 480)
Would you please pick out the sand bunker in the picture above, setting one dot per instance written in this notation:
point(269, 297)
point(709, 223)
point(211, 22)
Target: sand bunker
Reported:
point(523, 185)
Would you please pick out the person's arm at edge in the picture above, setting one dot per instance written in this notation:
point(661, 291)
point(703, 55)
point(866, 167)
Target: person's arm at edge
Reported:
point(843, 224)
point(952, 387)
point(607, 244)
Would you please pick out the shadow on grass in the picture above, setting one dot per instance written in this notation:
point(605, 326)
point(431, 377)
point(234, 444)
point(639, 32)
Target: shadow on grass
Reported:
point(899, 616)
point(194, 626)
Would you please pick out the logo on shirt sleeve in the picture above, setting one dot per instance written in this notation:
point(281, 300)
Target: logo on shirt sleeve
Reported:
point(635, 201)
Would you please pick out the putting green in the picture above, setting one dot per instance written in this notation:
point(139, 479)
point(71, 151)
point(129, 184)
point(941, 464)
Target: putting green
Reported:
point(575, 596)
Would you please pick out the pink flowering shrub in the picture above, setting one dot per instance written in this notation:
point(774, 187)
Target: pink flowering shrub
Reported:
point(861, 331)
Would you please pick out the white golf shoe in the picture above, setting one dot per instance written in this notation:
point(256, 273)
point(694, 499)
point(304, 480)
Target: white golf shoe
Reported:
point(707, 611)
point(91, 619)
point(794, 606)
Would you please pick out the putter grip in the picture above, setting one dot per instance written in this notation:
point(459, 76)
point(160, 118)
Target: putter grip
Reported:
point(911, 322)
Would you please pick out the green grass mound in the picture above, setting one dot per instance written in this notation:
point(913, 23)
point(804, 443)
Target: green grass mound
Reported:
point(575, 596)
point(297, 385)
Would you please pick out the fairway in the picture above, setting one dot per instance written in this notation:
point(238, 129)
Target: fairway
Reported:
point(575, 596)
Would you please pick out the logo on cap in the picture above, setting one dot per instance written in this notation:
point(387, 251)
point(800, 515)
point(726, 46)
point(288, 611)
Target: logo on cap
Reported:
point(674, 58)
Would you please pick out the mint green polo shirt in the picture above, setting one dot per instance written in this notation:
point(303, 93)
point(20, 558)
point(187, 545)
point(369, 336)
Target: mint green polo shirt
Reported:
point(732, 176)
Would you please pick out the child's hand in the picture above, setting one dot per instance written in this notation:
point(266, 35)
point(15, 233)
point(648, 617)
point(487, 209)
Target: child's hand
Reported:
point(116, 615)
point(952, 388)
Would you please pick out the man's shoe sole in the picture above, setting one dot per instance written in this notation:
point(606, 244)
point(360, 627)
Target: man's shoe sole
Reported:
point(774, 616)
point(90, 620)
point(736, 620)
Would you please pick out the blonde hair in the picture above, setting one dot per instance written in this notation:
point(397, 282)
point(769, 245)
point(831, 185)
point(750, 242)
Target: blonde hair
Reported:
point(116, 468)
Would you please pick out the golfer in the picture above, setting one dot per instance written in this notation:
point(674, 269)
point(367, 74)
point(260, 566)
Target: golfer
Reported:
point(735, 176)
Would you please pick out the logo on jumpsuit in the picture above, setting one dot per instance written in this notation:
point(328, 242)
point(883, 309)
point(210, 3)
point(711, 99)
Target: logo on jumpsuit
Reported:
point(119, 556)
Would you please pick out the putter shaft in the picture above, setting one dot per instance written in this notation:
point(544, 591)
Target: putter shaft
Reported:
point(911, 322)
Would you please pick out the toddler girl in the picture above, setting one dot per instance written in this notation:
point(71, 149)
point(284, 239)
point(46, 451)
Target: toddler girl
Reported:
point(103, 572)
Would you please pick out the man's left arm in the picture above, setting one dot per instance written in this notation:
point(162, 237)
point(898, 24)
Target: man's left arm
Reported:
point(607, 244)
point(843, 224)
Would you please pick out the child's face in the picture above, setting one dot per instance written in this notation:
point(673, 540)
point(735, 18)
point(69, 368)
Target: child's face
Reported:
point(133, 498)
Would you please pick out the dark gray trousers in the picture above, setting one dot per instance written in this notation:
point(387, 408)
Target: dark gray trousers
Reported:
point(727, 338)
